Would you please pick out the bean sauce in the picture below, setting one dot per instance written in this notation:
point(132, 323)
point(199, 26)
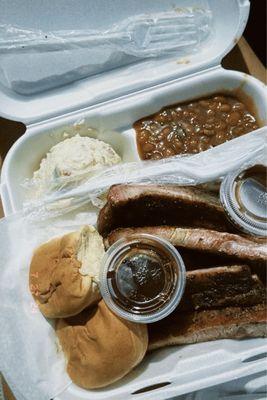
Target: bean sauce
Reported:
point(193, 127)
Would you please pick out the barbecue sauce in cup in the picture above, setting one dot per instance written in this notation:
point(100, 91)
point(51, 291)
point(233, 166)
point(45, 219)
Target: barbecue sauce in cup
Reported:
point(141, 275)
point(142, 278)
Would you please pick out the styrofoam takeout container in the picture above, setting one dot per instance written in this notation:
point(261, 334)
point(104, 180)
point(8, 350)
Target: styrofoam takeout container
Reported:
point(110, 102)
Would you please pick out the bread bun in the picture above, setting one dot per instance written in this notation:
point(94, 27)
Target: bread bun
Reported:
point(64, 273)
point(100, 347)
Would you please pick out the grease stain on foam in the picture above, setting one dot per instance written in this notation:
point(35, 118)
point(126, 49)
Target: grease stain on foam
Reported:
point(181, 10)
point(236, 40)
point(183, 61)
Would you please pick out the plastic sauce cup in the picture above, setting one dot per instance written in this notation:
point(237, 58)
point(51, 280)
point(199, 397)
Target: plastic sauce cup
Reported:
point(243, 194)
point(142, 278)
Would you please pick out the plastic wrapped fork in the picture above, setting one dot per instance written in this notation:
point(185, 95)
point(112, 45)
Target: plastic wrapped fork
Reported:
point(141, 36)
point(33, 61)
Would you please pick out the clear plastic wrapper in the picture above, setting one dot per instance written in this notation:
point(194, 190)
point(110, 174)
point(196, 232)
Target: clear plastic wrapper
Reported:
point(69, 55)
point(30, 358)
point(65, 194)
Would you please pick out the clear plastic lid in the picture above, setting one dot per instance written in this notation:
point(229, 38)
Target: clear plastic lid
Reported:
point(142, 278)
point(243, 195)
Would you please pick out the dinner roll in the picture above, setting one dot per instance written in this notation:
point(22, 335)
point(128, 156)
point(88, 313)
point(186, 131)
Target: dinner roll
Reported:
point(64, 273)
point(100, 347)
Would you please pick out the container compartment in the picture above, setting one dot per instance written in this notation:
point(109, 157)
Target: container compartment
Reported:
point(176, 370)
point(193, 127)
point(114, 123)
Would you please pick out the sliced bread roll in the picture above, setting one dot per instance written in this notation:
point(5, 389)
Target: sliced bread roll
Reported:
point(100, 347)
point(64, 273)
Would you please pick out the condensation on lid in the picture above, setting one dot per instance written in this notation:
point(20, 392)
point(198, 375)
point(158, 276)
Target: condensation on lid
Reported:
point(244, 197)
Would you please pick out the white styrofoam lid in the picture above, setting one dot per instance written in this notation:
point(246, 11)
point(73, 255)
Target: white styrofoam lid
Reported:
point(229, 21)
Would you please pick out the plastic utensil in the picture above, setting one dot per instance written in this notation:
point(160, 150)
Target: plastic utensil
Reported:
point(141, 35)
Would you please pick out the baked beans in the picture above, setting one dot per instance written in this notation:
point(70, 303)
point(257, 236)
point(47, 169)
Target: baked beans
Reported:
point(193, 127)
